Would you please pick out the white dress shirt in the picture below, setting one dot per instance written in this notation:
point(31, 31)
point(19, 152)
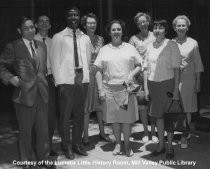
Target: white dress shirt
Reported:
point(27, 43)
point(48, 42)
point(62, 56)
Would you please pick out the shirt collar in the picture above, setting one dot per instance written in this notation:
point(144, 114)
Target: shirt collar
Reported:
point(40, 36)
point(69, 32)
point(26, 41)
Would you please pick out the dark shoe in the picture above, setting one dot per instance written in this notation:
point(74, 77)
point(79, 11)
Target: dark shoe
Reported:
point(85, 143)
point(129, 153)
point(157, 153)
point(170, 154)
point(69, 154)
point(53, 153)
point(79, 150)
point(105, 138)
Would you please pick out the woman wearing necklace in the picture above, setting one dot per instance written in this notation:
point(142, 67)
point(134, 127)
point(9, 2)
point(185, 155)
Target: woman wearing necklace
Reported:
point(140, 41)
point(120, 62)
point(162, 64)
point(93, 104)
point(191, 68)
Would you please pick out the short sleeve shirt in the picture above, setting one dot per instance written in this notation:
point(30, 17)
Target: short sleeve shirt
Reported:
point(117, 62)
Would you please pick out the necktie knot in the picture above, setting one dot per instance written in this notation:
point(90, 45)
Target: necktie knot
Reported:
point(44, 39)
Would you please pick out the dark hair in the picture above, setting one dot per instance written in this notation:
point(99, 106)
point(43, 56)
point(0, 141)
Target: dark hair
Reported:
point(161, 22)
point(70, 9)
point(122, 24)
point(42, 16)
point(22, 20)
point(89, 15)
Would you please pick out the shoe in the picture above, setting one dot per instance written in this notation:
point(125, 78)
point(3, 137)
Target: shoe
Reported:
point(85, 143)
point(184, 142)
point(53, 153)
point(145, 139)
point(189, 136)
point(117, 150)
point(155, 139)
point(69, 154)
point(157, 153)
point(129, 153)
point(105, 138)
point(79, 150)
point(170, 155)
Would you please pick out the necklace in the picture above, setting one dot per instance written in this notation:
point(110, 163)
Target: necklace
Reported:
point(181, 41)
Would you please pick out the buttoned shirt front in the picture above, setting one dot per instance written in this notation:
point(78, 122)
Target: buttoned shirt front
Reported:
point(62, 56)
point(48, 42)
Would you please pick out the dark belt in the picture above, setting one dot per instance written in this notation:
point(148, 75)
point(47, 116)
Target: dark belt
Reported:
point(78, 70)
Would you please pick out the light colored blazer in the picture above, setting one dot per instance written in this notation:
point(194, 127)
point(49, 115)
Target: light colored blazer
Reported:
point(62, 56)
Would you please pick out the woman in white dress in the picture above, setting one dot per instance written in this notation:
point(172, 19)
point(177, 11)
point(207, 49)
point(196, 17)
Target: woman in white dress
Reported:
point(120, 62)
point(191, 68)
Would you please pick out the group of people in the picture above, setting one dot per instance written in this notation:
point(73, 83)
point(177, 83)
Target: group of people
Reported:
point(93, 77)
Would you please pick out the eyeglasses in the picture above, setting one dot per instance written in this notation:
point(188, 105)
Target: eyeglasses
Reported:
point(91, 23)
point(142, 22)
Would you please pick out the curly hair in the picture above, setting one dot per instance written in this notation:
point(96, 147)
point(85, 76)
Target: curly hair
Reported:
point(181, 17)
point(139, 14)
point(89, 15)
point(122, 24)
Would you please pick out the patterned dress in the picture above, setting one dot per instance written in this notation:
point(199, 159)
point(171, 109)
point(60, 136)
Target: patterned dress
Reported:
point(92, 101)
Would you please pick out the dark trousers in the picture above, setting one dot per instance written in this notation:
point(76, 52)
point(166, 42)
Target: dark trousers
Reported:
point(52, 107)
point(33, 119)
point(72, 101)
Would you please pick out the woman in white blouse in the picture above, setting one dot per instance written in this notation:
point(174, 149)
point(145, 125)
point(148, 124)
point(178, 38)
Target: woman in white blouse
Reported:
point(162, 76)
point(120, 62)
point(191, 68)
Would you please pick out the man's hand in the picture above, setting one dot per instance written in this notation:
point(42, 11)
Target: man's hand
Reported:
point(15, 81)
point(61, 90)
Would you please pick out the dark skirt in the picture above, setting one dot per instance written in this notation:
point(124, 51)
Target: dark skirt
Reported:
point(159, 98)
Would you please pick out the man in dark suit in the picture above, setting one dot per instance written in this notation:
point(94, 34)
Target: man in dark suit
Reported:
point(23, 64)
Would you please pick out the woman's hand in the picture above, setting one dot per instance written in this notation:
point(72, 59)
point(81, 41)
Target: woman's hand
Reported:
point(102, 94)
point(176, 94)
point(197, 87)
point(146, 94)
point(129, 81)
